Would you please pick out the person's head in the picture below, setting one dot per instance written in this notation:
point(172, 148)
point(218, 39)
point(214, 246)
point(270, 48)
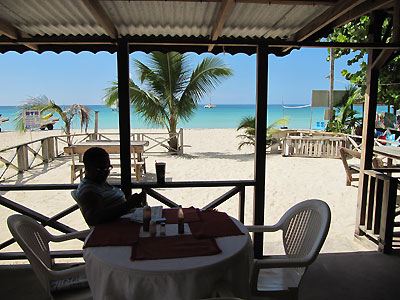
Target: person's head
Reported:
point(97, 164)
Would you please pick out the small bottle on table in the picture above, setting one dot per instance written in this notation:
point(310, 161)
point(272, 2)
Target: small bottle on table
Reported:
point(181, 227)
point(146, 218)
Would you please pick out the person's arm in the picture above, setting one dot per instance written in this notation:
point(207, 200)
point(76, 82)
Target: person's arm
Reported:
point(137, 200)
point(95, 212)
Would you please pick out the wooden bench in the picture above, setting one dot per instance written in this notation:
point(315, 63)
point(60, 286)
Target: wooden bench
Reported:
point(78, 168)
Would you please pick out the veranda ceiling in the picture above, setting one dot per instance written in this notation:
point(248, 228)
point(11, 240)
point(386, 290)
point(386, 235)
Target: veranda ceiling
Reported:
point(198, 26)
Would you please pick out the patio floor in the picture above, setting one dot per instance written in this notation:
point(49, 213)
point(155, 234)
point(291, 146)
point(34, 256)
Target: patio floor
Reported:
point(353, 275)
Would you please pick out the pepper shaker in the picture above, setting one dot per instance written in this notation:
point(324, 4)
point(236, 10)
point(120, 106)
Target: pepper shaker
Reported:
point(153, 228)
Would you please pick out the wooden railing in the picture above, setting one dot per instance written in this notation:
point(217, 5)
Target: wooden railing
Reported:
point(313, 146)
point(17, 159)
point(376, 213)
point(238, 187)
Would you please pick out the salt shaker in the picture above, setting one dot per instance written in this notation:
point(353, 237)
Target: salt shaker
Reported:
point(146, 218)
point(181, 228)
point(153, 228)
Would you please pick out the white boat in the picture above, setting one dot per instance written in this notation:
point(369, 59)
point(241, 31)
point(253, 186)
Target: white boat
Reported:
point(3, 120)
point(209, 105)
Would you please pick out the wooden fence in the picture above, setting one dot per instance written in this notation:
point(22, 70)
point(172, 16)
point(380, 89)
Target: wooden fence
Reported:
point(313, 146)
point(17, 159)
point(377, 212)
point(237, 188)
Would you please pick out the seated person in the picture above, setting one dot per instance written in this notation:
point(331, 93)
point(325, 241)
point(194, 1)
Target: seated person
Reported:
point(99, 201)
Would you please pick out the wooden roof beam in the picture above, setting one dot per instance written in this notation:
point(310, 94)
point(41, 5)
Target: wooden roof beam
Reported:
point(13, 33)
point(385, 55)
point(222, 15)
point(102, 17)
point(361, 10)
point(330, 15)
point(281, 2)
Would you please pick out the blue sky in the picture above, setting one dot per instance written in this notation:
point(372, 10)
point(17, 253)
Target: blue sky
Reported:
point(69, 78)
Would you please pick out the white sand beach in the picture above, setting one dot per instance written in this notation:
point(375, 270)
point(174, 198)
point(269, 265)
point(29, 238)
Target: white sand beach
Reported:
point(209, 154)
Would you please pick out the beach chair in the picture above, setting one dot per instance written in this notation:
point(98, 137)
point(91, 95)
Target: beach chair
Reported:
point(58, 281)
point(304, 229)
point(354, 169)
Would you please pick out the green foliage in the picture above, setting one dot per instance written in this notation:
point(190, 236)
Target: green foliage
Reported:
point(346, 118)
point(389, 77)
point(171, 90)
point(248, 124)
point(46, 105)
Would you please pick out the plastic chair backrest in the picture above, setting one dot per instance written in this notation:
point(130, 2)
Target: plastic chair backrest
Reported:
point(34, 241)
point(305, 227)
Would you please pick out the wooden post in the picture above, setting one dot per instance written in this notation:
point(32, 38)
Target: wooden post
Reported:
point(260, 147)
point(51, 151)
point(331, 84)
point(387, 216)
point(124, 116)
point(180, 141)
point(371, 96)
point(96, 124)
point(22, 158)
point(45, 149)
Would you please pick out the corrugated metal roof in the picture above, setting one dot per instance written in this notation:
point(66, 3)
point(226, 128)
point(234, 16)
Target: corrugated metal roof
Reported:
point(71, 17)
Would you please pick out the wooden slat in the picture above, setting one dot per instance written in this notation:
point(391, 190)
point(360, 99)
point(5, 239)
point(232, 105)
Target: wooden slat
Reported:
point(101, 17)
point(221, 199)
point(13, 33)
point(361, 10)
point(161, 198)
point(220, 19)
point(384, 56)
point(341, 7)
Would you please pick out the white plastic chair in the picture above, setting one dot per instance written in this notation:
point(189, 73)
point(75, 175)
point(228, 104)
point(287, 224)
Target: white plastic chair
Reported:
point(33, 238)
point(304, 229)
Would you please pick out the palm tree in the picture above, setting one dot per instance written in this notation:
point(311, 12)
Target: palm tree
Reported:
point(45, 105)
point(346, 119)
point(171, 90)
point(249, 136)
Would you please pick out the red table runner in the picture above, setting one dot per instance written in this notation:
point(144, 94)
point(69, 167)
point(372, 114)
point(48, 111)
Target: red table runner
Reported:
point(173, 247)
point(214, 224)
point(190, 214)
point(120, 233)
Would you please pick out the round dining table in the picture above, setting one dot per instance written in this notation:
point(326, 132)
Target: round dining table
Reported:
point(113, 275)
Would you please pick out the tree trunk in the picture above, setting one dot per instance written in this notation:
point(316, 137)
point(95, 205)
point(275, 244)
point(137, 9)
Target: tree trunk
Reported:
point(173, 142)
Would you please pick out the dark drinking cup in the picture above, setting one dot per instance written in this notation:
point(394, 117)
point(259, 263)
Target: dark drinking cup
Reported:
point(160, 171)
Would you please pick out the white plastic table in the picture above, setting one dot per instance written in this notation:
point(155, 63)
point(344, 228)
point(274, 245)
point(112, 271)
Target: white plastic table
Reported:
point(112, 275)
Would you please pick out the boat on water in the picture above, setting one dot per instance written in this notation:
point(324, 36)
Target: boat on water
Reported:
point(209, 105)
point(3, 120)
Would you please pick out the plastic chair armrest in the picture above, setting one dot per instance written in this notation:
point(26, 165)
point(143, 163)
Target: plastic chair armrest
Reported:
point(263, 228)
point(71, 272)
point(281, 261)
point(70, 236)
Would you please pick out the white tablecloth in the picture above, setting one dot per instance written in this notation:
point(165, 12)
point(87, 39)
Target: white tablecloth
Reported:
point(112, 275)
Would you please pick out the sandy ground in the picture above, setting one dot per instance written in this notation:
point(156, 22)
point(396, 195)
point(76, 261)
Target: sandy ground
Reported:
point(209, 154)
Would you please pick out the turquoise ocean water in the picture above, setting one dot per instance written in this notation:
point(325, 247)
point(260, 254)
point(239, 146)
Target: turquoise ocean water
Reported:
point(222, 116)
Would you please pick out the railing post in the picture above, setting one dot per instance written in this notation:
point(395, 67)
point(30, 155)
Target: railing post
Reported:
point(50, 147)
point(96, 125)
point(180, 152)
point(22, 158)
point(45, 149)
point(388, 215)
point(242, 198)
